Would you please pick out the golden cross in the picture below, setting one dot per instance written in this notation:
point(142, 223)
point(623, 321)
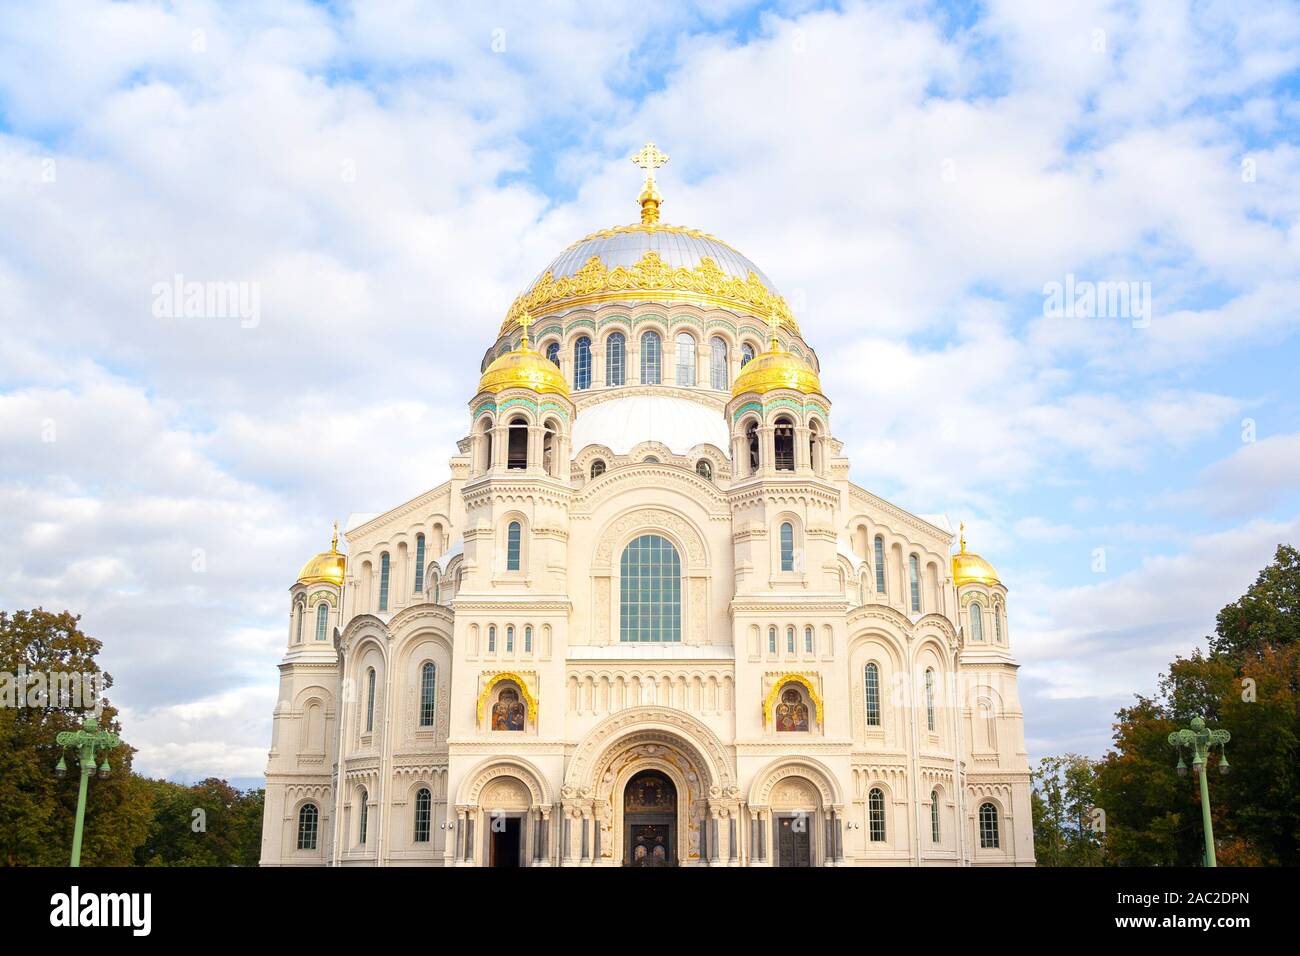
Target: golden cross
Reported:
point(334, 545)
point(525, 319)
point(774, 322)
point(961, 528)
point(650, 158)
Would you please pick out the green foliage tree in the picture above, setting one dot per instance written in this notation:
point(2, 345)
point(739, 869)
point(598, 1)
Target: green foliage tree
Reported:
point(1063, 798)
point(37, 809)
point(1247, 684)
point(207, 824)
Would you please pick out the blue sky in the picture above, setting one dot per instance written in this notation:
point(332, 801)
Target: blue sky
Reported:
point(912, 175)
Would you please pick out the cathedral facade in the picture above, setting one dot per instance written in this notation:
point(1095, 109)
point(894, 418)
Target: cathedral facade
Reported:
point(648, 620)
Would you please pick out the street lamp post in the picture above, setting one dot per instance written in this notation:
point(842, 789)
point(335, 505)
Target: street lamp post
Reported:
point(1198, 740)
point(86, 742)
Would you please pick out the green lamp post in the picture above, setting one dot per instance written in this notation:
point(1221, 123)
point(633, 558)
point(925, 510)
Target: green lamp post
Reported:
point(1198, 741)
point(86, 742)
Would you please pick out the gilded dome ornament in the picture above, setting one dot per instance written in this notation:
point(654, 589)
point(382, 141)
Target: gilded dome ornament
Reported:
point(327, 567)
point(776, 368)
point(969, 568)
point(649, 159)
point(523, 368)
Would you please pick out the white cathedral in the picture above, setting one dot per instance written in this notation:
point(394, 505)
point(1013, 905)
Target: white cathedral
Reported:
point(649, 620)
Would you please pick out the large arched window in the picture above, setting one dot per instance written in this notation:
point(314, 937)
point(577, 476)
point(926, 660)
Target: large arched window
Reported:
point(989, 837)
point(517, 444)
point(582, 363)
point(615, 359)
point(370, 700)
point(423, 814)
point(428, 694)
point(685, 359)
point(976, 621)
point(365, 817)
point(787, 546)
point(880, 565)
point(322, 620)
point(718, 363)
point(784, 438)
point(872, 683)
point(651, 365)
point(876, 815)
point(553, 353)
point(929, 699)
point(384, 567)
point(650, 595)
point(914, 582)
point(308, 826)
point(746, 354)
point(419, 563)
point(934, 817)
point(514, 544)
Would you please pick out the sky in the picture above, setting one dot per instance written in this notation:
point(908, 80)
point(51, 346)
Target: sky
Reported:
point(921, 180)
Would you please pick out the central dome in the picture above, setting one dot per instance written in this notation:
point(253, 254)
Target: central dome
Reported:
point(651, 262)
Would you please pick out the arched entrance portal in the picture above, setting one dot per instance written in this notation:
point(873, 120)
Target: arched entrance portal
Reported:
point(650, 820)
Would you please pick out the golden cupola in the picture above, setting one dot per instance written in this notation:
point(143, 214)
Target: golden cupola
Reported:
point(968, 568)
point(524, 368)
point(776, 368)
point(327, 567)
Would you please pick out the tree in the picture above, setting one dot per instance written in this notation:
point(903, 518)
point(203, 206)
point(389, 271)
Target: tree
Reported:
point(37, 809)
point(1063, 799)
point(207, 824)
point(1267, 615)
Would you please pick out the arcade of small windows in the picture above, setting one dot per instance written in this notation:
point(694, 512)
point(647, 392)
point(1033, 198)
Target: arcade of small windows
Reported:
point(510, 639)
point(792, 642)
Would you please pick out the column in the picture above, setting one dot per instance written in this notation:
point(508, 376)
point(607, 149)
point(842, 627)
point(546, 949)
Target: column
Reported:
point(715, 855)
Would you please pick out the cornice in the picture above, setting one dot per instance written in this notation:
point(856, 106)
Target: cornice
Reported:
point(401, 510)
point(919, 524)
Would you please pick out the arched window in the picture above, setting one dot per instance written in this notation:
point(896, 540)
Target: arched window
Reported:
point(650, 596)
point(582, 363)
point(437, 588)
point(771, 640)
point(751, 439)
point(615, 359)
point(746, 354)
point(528, 639)
point(787, 546)
point(718, 363)
point(990, 725)
point(549, 432)
point(685, 359)
point(517, 444)
point(428, 694)
point(322, 620)
point(300, 611)
point(997, 622)
point(597, 468)
point(370, 700)
point(872, 682)
point(807, 640)
point(486, 439)
point(308, 824)
point(989, 838)
point(365, 818)
point(704, 469)
point(651, 367)
point(815, 447)
point(492, 638)
point(880, 565)
point(419, 563)
point(976, 621)
point(914, 582)
point(784, 437)
point(876, 815)
point(929, 699)
point(789, 640)
point(514, 536)
point(934, 817)
point(510, 638)
point(423, 814)
point(553, 353)
point(384, 567)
